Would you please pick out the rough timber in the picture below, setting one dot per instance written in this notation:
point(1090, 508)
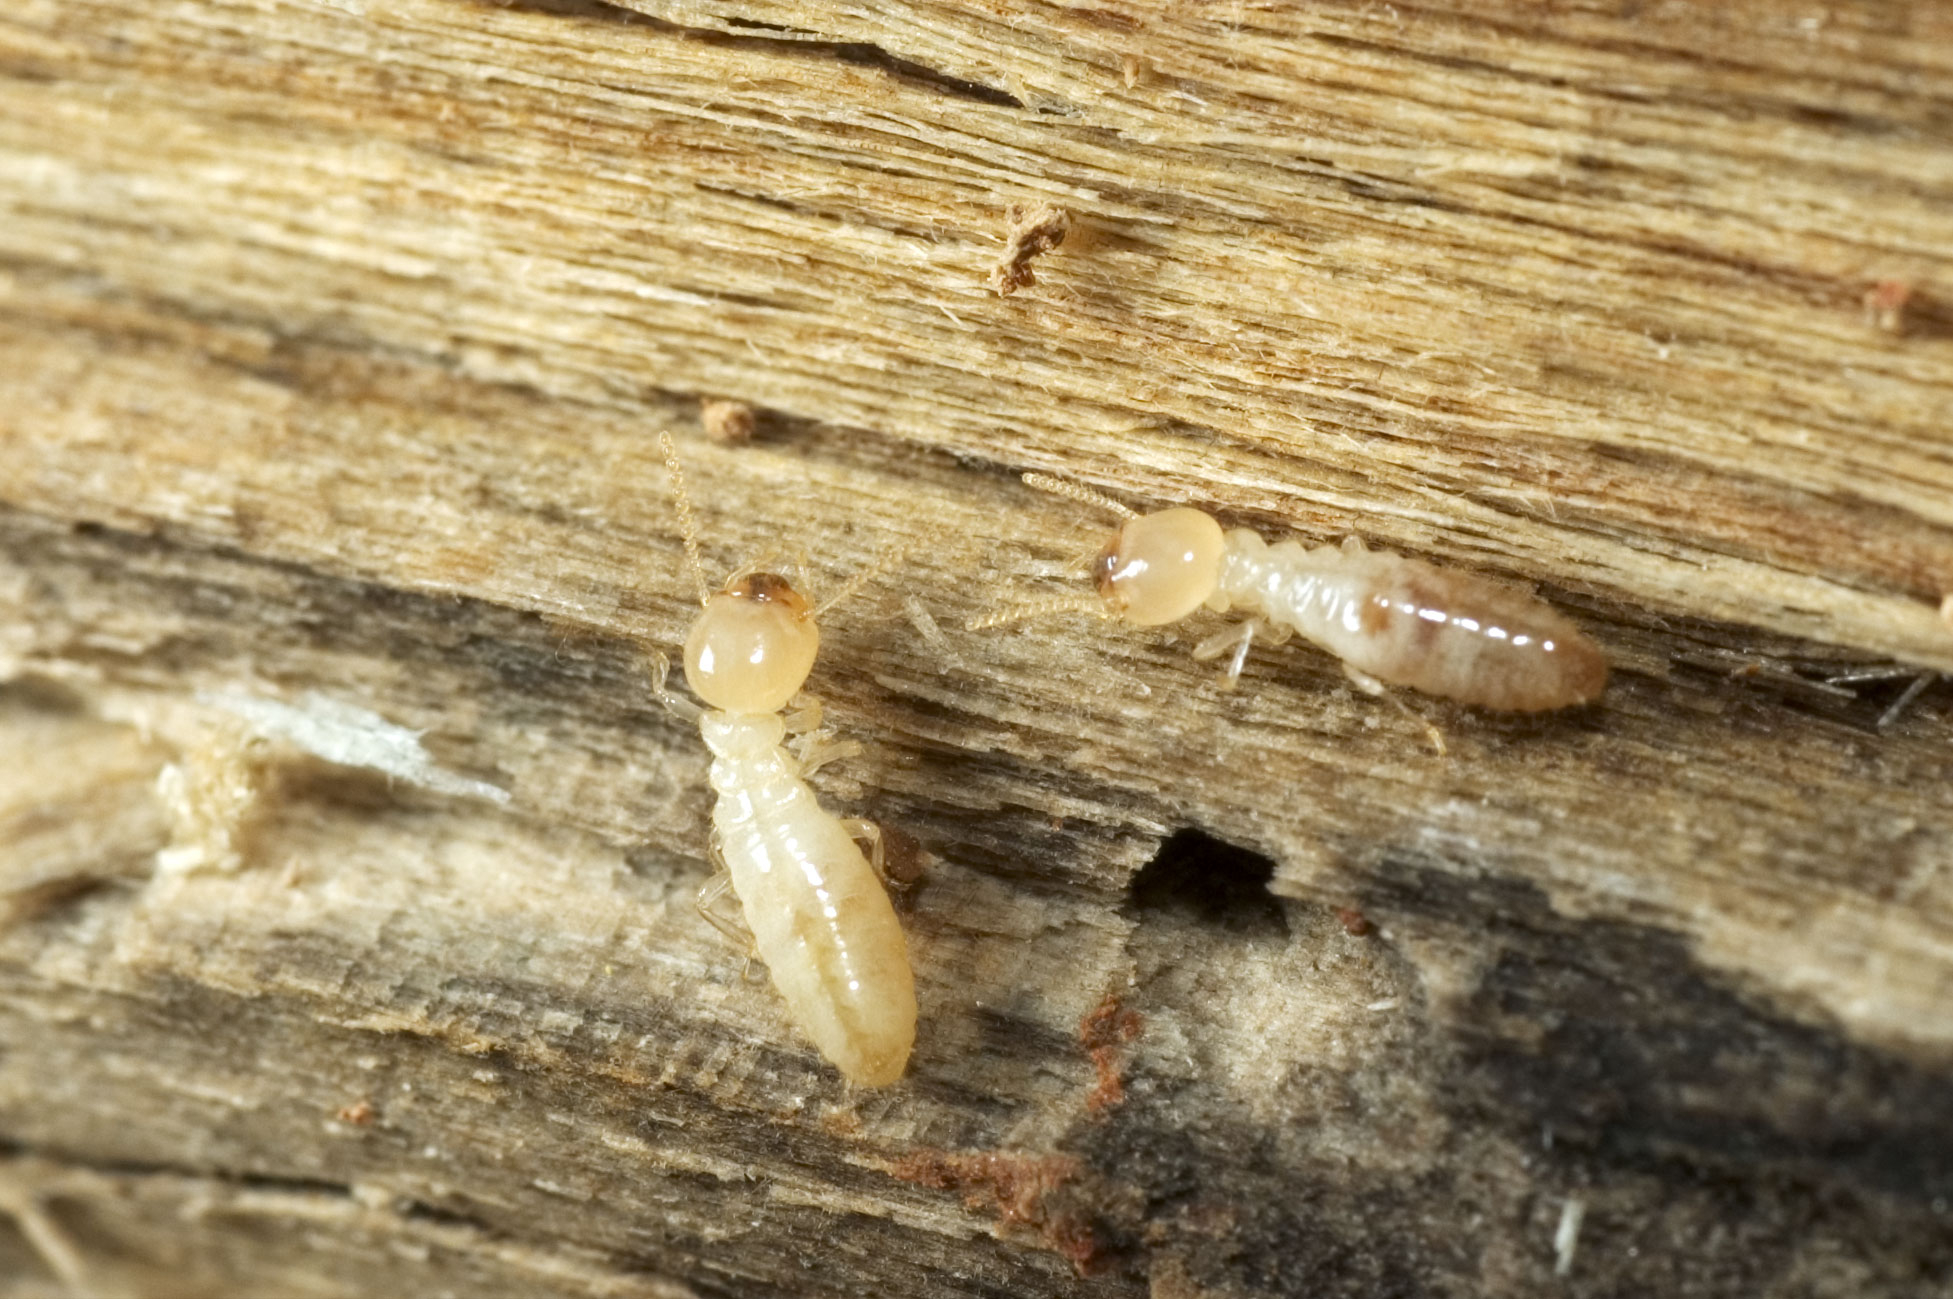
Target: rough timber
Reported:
point(334, 339)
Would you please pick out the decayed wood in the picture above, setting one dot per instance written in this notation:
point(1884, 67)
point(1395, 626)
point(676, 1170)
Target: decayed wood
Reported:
point(333, 347)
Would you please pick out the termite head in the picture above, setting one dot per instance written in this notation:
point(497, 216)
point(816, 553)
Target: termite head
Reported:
point(752, 648)
point(1161, 567)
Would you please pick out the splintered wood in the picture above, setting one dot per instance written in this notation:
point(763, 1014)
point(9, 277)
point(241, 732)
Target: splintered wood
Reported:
point(348, 860)
point(1032, 232)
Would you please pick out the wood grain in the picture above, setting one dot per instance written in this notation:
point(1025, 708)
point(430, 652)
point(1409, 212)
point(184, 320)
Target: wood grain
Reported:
point(334, 343)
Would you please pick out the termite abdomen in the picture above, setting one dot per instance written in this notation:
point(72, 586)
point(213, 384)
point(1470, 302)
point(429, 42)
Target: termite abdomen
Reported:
point(1466, 638)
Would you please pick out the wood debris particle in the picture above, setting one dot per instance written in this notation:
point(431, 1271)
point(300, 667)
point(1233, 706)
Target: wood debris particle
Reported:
point(1566, 1237)
point(932, 635)
point(729, 423)
point(1032, 231)
point(1885, 305)
point(211, 794)
point(1105, 1028)
point(1354, 922)
point(1020, 1189)
point(904, 860)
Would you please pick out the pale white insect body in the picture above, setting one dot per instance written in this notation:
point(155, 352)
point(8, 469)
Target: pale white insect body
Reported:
point(1389, 619)
point(1409, 623)
point(815, 907)
point(819, 916)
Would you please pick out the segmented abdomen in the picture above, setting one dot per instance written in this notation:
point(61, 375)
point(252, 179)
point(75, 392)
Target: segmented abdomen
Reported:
point(820, 918)
point(1409, 623)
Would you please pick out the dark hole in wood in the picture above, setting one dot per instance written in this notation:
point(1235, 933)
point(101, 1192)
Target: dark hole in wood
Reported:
point(1210, 882)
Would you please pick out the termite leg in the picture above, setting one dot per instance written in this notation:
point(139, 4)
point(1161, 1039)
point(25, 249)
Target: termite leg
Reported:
point(815, 746)
point(1431, 731)
point(1369, 685)
point(1240, 639)
point(820, 748)
point(683, 709)
point(1363, 681)
point(712, 894)
point(806, 716)
point(711, 907)
point(1353, 545)
point(868, 834)
point(1240, 659)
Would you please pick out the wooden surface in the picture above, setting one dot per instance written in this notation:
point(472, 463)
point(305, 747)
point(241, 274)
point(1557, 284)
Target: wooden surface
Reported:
point(334, 342)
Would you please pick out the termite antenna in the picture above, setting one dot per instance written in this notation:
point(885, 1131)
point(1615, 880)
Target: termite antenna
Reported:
point(1081, 494)
point(687, 525)
point(1039, 606)
point(881, 564)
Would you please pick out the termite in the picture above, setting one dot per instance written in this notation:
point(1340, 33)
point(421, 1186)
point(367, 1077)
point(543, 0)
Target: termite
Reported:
point(814, 904)
point(1390, 619)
